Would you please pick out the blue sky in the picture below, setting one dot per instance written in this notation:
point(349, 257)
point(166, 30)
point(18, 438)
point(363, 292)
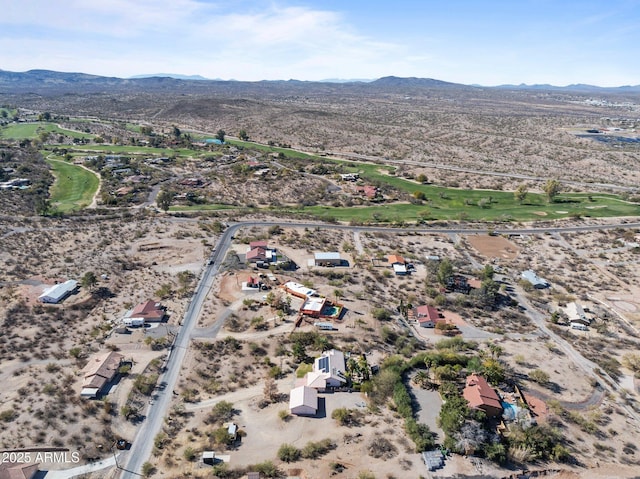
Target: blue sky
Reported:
point(465, 41)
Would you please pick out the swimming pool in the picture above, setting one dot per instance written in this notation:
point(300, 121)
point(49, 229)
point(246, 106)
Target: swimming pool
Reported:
point(510, 411)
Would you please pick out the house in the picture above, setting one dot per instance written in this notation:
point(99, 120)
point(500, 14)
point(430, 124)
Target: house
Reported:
point(332, 366)
point(315, 380)
point(17, 470)
point(368, 190)
point(480, 395)
point(192, 182)
point(58, 292)
point(396, 259)
point(349, 176)
point(426, 316)
point(534, 279)
point(100, 371)
point(327, 259)
point(458, 284)
point(303, 401)
point(256, 254)
point(313, 306)
point(299, 290)
point(149, 311)
point(258, 244)
point(576, 314)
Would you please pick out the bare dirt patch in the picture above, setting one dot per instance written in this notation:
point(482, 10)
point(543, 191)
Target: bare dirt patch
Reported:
point(494, 246)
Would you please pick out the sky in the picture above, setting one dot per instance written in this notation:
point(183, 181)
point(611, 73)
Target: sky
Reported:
point(558, 42)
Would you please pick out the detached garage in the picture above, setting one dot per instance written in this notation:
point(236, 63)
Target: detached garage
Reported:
point(303, 401)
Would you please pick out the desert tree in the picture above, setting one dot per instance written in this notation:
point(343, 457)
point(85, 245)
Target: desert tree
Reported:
point(89, 280)
point(220, 134)
point(521, 193)
point(551, 189)
point(164, 199)
point(243, 135)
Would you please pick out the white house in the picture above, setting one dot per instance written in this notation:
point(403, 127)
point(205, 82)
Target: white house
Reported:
point(303, 401)
point(58, 292)
point(332, 366)
point(576, 314)
point(534, 279)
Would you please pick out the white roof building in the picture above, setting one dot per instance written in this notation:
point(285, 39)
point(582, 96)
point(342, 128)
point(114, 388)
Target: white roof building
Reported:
point(303, 401)
point(58, 292)
point(575, 313)
point(534, 279)
point(332, 366)
point(299, 290)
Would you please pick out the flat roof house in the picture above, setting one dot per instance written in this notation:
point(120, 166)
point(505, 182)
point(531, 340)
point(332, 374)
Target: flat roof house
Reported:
point(313, 306)
point(299, 290)
point(100, 371)
point(481, 396)
point(303, 401)
point(534, 279)
point(332, 366)
point(58, 292)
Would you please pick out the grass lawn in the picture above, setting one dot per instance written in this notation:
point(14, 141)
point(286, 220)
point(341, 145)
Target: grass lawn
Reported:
point(208, 207)
point(134, 150)
point(74, 186)
point(30, 131)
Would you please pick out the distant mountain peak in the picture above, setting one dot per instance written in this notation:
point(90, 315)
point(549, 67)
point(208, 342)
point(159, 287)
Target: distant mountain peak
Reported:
point(177, 76)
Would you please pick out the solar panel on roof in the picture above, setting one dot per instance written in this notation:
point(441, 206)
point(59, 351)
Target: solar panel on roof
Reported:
point(323, 364)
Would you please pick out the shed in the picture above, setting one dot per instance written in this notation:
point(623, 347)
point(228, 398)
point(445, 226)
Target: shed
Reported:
point(303, 401)
point(209, 457)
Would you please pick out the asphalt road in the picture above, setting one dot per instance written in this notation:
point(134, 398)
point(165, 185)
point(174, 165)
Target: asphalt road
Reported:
point(131, 461)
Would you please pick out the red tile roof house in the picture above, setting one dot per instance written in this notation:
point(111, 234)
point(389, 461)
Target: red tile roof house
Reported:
point(369, 191)
point(427, 316)
point(149, 311)
point(481, 396)
point(259, 244)
point(256, 254)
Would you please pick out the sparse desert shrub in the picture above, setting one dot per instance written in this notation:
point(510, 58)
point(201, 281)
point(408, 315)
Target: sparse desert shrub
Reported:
point(288, 453)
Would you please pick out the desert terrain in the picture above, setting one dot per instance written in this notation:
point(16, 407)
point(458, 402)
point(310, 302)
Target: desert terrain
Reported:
point(247, 348)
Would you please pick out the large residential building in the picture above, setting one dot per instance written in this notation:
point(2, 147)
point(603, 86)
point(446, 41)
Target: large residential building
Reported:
point(480, 395)
point(58, 292)
point(100, 371)
point(17, 470)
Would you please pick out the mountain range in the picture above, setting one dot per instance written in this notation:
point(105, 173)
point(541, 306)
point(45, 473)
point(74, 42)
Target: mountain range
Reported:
point(48, 81)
